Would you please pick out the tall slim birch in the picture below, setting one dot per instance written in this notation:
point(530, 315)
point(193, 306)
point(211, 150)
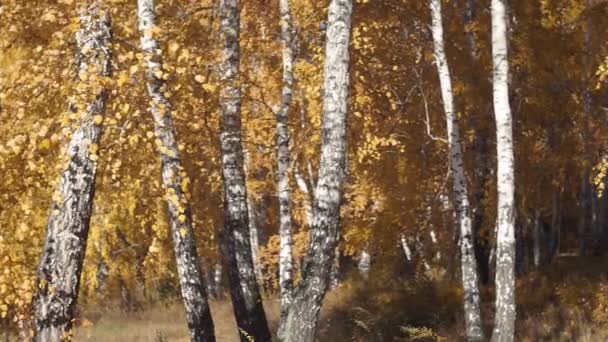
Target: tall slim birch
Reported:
point(283, 157)
point(504, 322)
point(62, 257)
point(302, 317)
point(468, 264)
point(175, 183)
point(236, 244)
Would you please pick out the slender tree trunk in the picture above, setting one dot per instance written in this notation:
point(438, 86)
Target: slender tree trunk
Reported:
point(470, 281)
point(536, 238)
point(254, 233)
point(334, 273)
point(303, 186)
point(302, 318)
point(583, 223)
point(407, 252)
point(364, 263)
point(556, 223)
point(175, 183)
point(422, 254)
point(284, 159)
point(217, 280)
point(246, 299)
point(504, 323)
point(254, 238)
point(70, 213)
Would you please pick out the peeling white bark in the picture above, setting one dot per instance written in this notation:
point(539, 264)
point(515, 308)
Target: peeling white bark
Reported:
point(284, 159)
point(192, 283)
point(236, 243)
point(302, 318)
point(474, 331)
point(504, 322)
point(70, 213)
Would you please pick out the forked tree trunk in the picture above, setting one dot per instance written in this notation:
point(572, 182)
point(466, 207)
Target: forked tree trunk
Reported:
point(236, 246)
point(175, 182)
point(504, 322)
point(284, 159)
point(302, 318)
point(70, 213)
point(474, 331)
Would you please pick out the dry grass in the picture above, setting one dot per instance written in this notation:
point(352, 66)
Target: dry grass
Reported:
point(558, 304)
point(166, 323)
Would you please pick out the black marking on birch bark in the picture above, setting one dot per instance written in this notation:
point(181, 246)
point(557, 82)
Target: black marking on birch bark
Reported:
point(301, 321)
point(58, 276)
point(235, 239)
point(175, 182)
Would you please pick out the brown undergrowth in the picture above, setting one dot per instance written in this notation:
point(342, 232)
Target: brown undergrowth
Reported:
point(566, 302)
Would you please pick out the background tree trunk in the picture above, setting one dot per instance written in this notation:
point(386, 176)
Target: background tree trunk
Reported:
point(175, 182)
point(70, 213)
point(302, 318)
point(536, 240)
point(504, 322)
point(236, 246)
point(470, 280)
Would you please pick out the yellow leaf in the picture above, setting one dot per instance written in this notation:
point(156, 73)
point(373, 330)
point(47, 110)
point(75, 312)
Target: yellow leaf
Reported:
point(45, 144)
point(83, 75)
point(209, 87)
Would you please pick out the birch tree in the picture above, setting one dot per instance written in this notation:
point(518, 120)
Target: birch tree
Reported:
point(244, 289)
point(460, 198)
point(504, 322)
point(175, 182)
point(301, 321)
point(284, 159)
point(70, 213)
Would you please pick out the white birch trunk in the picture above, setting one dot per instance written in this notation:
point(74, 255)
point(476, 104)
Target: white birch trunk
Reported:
point(536, 237)
point(217, 280)
point(236, 244)
point(192, 282)
point(254, 238)
point(284, 159)
point(364, 263)
point(303, 186)
point(406, 248)
point(302, 318)
point(504, 322)
point(474, 331)
point(254, 234)
point(58, 275)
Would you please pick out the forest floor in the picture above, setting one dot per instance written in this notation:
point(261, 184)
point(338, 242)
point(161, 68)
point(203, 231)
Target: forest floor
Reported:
point(568, 301)
point(167, 323)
